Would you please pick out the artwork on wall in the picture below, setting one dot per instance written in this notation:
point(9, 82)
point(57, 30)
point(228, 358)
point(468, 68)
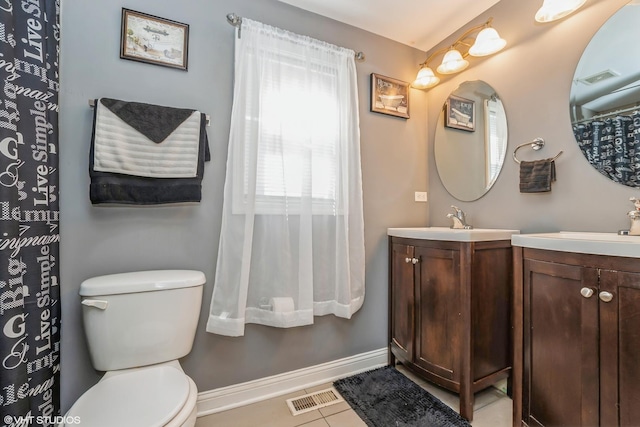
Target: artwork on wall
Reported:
point(461, 113)
point(389, 96)
point(147, 38)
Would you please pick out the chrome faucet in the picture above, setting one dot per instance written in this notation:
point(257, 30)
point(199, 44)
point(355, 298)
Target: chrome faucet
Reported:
point(459, 219)
point(634, 216)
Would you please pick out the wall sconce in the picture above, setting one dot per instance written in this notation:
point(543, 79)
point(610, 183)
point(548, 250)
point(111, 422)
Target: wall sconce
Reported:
point(487, 42)
point(553, 10)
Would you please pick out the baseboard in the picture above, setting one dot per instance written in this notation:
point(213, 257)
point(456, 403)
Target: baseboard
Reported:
point(230, 397)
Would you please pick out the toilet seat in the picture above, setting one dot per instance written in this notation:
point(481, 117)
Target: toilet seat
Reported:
point(150, 397)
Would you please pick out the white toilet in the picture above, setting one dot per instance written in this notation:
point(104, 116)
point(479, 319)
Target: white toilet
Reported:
point(138, 325)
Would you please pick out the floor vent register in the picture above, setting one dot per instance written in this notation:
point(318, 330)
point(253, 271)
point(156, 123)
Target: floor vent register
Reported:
point(310, 402)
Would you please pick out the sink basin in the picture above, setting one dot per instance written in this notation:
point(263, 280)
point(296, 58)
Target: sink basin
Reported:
point(610, 244)
point(456, 235)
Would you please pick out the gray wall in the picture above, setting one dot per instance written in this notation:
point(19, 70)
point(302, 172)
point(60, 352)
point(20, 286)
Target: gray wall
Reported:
point(103, 240)
point(532, 76)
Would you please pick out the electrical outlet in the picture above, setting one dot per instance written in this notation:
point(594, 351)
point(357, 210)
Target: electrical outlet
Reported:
point(421, 196)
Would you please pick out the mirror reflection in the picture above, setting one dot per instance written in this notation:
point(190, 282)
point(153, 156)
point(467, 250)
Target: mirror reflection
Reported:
point(471, 140)
point(605, 98)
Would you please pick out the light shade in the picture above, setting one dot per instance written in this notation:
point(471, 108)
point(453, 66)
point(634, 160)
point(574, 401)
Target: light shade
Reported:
point(425, 79)
point(552, 10)
point(452, 62)
point(487, 43)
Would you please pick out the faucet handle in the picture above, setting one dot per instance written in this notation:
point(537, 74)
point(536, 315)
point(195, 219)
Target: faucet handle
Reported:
point(459, 219)
point(459, 212)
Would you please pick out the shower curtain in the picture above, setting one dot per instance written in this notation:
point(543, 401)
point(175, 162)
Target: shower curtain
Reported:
point(612, 146)
point(29, 262)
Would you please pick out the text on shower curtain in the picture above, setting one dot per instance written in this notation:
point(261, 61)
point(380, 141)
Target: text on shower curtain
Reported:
point(29, 214)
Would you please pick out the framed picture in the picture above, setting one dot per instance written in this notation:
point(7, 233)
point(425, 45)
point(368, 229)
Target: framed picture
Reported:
point(460, 113)
point(154, 40)
point(389, 96)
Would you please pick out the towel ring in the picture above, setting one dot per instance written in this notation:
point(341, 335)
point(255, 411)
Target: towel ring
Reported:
point(536, 144)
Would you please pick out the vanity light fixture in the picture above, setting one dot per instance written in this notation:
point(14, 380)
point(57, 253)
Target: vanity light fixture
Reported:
point(486, 42)
point(425, 79)
point(453, 62)
point(553, 10)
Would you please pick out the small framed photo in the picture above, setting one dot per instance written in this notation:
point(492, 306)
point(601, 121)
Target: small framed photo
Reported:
point(147, 38)
point(389, 96)
point(460, 113)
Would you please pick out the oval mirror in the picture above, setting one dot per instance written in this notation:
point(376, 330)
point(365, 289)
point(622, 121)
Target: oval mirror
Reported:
point(605, 98)
point(471, 140)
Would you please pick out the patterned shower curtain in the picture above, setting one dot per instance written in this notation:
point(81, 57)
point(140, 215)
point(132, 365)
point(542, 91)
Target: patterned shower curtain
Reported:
point(29, 263)
point(612, 146)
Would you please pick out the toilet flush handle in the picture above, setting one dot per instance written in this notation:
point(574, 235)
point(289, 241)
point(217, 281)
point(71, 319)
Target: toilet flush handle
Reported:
point(102, 305)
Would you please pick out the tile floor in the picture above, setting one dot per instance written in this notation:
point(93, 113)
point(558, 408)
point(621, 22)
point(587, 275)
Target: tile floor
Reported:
point(492, 408)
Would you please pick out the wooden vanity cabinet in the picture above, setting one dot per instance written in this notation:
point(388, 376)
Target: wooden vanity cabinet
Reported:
point(577, 339)
point(450, 312)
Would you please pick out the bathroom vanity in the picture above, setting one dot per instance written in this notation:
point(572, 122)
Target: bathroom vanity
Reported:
point(450, 306)
point(576, 329)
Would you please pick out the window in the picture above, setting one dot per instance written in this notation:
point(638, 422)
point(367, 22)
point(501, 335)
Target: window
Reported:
point(496, 139)
point(296, 126)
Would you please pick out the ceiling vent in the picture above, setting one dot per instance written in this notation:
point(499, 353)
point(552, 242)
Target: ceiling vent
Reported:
point(598, 77)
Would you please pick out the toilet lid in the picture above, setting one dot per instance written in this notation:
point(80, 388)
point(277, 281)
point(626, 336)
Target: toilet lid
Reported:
point(147, 397)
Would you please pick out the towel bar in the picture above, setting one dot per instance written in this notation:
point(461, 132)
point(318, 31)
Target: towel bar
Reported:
point(536, 144)
point(92, 104)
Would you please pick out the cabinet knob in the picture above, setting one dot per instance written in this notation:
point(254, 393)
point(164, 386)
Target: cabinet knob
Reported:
point(605, 296)
point(586, 292)
point(414, 261)
point(407, 260)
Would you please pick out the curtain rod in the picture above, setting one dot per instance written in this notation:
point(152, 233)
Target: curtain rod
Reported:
point(609, 114)
point(236, 21)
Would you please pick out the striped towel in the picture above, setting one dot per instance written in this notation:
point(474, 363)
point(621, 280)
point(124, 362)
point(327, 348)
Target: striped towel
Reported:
point(146, 140)
point(143, 154)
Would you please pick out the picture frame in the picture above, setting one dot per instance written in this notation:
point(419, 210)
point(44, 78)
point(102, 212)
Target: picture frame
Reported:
point(389, 96)
point(460, 113)
point(154, 40)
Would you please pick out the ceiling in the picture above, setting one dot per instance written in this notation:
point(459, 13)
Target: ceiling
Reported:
point(418, 23)
point(607, 76)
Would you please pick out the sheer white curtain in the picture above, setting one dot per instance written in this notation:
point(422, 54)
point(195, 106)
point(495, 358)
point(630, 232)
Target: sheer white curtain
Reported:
point(495, 138)
point(292, 238)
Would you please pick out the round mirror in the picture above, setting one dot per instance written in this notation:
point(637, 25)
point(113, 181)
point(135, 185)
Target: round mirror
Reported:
point(605, 98)
point(471, 140)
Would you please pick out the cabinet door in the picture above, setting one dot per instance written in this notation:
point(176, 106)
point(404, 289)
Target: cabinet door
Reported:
point(620, 348)
point(560, 382)
point(438, 292)
point(402, 300)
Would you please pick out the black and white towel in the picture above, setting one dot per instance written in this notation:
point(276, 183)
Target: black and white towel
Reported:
point(146, 154)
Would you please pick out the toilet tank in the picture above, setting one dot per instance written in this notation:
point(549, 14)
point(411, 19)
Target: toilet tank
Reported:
point(140, 318)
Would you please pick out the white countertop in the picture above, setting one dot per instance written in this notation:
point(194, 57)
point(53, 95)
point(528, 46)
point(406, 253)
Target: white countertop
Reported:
point(610, 244)
point(451, 234)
